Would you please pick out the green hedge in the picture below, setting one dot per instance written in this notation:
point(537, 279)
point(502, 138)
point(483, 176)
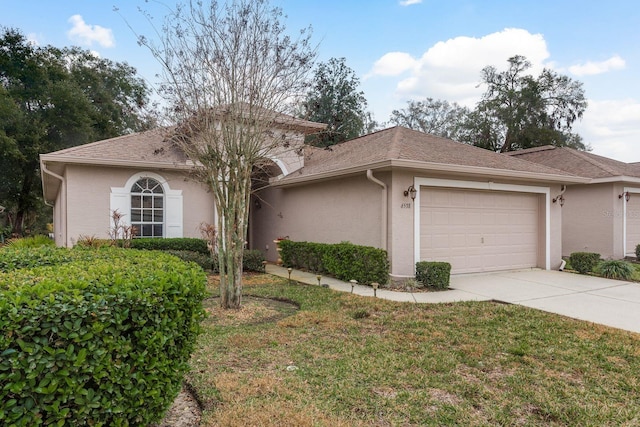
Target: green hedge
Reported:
point(433, 274)
point(344, 261)
point(171, 244)
point(584, 262)
point(102, 338)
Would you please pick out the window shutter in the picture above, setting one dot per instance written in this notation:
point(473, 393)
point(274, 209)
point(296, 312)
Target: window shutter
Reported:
point(174, 213)
point(120, 201)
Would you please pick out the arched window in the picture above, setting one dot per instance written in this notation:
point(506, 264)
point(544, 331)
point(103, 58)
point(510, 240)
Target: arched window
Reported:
point(147, 208)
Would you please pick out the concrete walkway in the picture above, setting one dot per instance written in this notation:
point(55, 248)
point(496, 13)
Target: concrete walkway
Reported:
point(608, 302)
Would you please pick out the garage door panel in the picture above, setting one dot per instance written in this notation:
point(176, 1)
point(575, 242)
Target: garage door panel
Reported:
point(633, 223)
point(483, 231)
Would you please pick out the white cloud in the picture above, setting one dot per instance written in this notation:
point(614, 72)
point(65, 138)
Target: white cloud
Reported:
point(85, 34)
point(409, 2)
point(451, 69)
point(612, 128)
point(33, 39)
point(392, 64)
point(591, 68)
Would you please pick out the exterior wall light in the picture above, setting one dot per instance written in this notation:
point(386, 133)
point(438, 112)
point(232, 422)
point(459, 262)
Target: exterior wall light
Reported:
point(411, 191)
point(626, 195)
point(560, 199)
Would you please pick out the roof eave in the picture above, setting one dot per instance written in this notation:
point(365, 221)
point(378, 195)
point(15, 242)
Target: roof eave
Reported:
point(619, 178)
point(435, 167)
point(114, 163)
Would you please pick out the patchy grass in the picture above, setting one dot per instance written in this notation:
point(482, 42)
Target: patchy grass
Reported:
point(345, 360)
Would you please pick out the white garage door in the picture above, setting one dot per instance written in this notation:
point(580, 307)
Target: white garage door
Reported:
point(633, 223)
point(479, 230)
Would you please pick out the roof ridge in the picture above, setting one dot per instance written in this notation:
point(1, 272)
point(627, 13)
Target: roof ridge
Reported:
point(395, 146)
point(593, 161)
point(531, 150)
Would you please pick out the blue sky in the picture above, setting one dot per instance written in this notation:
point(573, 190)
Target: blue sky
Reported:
point(410, 49)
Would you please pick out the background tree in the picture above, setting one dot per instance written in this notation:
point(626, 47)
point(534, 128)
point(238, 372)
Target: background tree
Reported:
point(334, 99)
point(52, 99)
point(523, 111)
point(432, 116)
point(517, 111)
point(230, 70)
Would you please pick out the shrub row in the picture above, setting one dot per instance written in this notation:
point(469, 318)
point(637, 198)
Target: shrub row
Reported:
point(102, 338)
point(172, 244)
point(584, 262)
point(344, 261)
point(638, 252)
point(433, 274)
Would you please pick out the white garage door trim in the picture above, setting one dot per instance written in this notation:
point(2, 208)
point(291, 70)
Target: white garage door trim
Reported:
point(631, 190)
point(475, 185)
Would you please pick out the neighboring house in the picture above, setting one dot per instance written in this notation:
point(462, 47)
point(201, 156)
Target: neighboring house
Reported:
point(603, 215)
point(418, 196)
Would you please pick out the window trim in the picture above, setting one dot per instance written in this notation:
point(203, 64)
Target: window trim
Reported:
point(120, 199)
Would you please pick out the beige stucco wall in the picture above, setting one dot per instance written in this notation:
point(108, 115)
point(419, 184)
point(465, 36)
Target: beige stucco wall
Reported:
point(591, 219)
point(350, 209)
point(88, 200)
point(345, 209)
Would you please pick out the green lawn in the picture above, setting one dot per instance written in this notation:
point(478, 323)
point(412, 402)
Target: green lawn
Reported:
point(354, 361)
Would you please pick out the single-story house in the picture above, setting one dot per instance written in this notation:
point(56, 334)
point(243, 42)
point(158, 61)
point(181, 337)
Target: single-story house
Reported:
point(418, 196)
point(143, 176)
point(602, 215)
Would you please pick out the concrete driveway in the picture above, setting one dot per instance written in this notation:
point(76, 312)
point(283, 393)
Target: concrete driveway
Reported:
point(604, 301)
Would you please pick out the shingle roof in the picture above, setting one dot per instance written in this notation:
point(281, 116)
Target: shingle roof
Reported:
point(578, 162)
point(148, 147)
point(400, 143)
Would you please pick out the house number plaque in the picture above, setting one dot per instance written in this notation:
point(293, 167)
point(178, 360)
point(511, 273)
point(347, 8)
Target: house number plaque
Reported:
point(405, 206)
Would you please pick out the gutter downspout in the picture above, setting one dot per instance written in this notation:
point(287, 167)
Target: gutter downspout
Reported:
point(63, 199)
point(373, 179)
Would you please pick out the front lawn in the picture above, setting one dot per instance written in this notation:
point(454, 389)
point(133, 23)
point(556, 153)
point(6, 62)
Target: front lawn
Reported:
point(345, 360)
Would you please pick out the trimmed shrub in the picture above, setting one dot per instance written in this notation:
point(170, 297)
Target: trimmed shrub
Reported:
point(433, 274)
point(615, 269)
point(638, 252)
point(171, 244)
point(102, 338)
point(252, 261)
point(584, 262)
point(344, 261)
point(204, 261)
point(31, 242)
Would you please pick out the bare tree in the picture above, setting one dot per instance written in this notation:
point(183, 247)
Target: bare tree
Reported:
point(230, 73)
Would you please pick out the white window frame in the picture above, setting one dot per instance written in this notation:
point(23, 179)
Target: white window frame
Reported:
point(120, 199)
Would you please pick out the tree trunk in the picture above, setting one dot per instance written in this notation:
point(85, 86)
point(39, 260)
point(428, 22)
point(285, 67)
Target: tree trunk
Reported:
point(24, 205)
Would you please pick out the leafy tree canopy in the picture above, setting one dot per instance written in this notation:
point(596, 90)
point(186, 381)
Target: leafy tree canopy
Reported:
point(334, 99)
point(432, 116)
point(51, 99)
point(517, 111)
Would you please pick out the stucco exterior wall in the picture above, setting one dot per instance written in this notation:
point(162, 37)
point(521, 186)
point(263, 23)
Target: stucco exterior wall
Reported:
point(591, 219)
point(346, 209)
point(88, 200)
